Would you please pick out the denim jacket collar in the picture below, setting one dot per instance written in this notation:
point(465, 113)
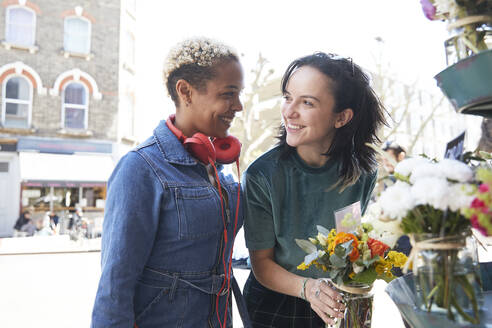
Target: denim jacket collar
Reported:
point(171, 148)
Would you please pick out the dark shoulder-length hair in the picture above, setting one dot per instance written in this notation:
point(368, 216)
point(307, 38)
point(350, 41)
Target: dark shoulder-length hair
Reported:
point(351, 88)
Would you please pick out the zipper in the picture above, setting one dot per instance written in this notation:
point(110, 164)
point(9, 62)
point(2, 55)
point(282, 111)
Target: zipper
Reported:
point(215, 268)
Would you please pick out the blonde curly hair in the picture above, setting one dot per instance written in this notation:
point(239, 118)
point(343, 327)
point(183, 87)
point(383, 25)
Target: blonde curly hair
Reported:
point(193, 60)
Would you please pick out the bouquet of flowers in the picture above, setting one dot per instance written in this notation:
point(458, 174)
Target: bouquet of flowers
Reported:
point(471, 19)
point(352, 261)
point(429, 200)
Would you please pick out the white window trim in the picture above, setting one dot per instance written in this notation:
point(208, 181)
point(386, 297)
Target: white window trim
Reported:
point(28, 102)
point(66, 52)
point(76, 74)
point(84, 107)
point(7, 20)
point(18, 68)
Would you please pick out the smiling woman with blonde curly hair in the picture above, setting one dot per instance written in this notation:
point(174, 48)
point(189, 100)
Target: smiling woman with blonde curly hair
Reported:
point(167, 235)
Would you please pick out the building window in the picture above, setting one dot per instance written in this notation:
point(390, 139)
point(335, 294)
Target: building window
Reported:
point(75, 106)
point(77, 37)
point(21, 26)
point(17, 101)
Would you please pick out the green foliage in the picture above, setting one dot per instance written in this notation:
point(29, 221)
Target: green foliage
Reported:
point(366, 277)
point(306, 246)
point(426, 219)
point(323, 230)
point(367, 263)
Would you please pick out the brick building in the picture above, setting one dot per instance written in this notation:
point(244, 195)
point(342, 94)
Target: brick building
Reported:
point(67, 71)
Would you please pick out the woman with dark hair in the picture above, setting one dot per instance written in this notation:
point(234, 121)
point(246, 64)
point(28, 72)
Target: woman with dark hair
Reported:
point(171, 214)
point(321, 164)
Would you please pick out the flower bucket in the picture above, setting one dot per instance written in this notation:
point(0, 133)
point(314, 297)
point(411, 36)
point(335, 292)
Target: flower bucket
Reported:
point(447, 277)
point(468, 84)
point(358, 301)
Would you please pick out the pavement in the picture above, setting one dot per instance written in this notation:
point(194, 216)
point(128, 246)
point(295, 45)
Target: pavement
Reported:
point(56, 290)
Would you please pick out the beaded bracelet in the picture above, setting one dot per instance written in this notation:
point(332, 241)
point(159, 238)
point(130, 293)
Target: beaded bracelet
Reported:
point(303, 289)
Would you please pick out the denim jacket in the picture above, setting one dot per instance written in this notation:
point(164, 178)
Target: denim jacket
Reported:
point(162, 240)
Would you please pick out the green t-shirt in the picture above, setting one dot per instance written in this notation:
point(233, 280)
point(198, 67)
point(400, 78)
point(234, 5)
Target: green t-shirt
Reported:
point(285, 199)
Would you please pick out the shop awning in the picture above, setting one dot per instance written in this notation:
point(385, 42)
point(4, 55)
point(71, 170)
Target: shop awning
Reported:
point(40, 169)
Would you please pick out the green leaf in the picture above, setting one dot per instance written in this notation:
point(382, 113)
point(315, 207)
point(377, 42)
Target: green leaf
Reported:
point(367, 263)
point(323, 230)
point(337, 262)
point(334, 273)
point(344, 249)
point(306, 246)
point(366, 277)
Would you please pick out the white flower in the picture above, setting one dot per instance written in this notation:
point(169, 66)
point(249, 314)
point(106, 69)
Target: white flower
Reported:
point(386, 231)
point(396, 200)
point(406, 166)
point(460, 196)
point(426, 170)
point(373, 212)
point(455, 170)
point(357, 268)
point(431, 191)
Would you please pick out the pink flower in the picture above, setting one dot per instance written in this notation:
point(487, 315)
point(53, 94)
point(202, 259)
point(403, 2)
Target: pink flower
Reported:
point(477, 203)
point(483, 188)
point(429, 9)
point(475, 224)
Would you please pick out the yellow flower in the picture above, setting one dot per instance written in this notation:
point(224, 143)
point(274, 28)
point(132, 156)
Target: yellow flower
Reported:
point(352, 275)
point(303, 266)
point(397, 259)
point(332, 235)
point(379, 269)
point(384, 267)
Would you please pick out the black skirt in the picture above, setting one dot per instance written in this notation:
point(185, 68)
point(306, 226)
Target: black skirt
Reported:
point(274, 310)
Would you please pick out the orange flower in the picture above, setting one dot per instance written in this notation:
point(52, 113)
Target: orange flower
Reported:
point(377, 247)
point(343, 237)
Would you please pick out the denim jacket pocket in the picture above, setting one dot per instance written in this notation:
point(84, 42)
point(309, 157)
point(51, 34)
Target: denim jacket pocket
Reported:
point(198, 212)
point(148, 296)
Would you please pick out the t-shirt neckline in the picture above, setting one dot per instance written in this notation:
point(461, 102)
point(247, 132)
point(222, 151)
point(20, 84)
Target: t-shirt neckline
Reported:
point(300, 163)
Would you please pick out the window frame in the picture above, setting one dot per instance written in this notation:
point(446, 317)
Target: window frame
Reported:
point(77, 106)
point(7, 25)
point(89, 34)
point(17, 101)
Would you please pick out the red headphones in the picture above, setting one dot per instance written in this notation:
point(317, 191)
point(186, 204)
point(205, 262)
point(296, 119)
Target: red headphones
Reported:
point(222, 150)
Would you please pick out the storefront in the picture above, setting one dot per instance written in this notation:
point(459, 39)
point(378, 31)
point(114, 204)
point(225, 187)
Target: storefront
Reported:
point(56, 182)
point(54, 175)
point(62, 183)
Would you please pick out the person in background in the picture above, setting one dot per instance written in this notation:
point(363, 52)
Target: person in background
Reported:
point(54, 219)
point(44, 226)
point(23, 219)
point(321, 164)
point(396, 153)
point(171, 214)
point(29, 227)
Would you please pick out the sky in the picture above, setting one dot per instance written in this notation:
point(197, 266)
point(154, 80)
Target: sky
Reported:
point(282, 31)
